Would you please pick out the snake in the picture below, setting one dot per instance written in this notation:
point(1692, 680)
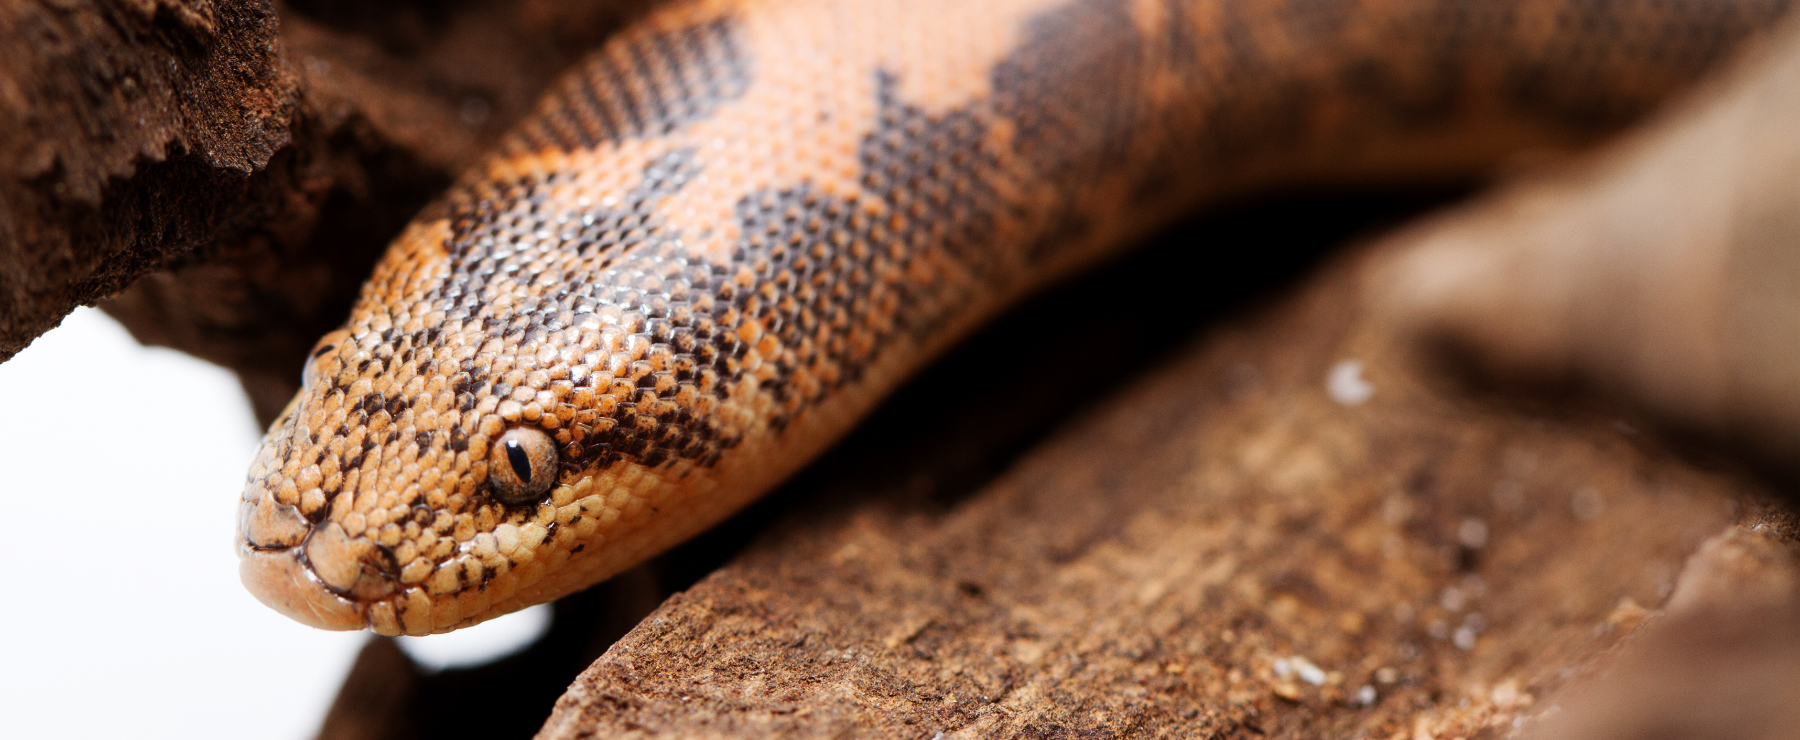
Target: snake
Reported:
point(726, 234)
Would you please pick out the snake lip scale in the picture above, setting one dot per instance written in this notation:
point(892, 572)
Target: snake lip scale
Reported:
point(726, 234)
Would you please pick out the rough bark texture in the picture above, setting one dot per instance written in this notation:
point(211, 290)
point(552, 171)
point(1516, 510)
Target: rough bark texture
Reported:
point(1221, 550)
point(253, 169)
point(129, 129)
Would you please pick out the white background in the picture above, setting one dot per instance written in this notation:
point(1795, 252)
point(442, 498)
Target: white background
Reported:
point(120, 609)
point(121, 613)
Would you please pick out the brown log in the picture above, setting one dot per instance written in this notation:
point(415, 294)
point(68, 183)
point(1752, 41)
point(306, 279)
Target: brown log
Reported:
point(129, 128)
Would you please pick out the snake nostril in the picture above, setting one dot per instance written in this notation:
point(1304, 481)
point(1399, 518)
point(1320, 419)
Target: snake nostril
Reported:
point(352, 566)
point(522, 465)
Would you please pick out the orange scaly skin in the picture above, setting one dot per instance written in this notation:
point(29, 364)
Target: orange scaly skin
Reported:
point(738, 225)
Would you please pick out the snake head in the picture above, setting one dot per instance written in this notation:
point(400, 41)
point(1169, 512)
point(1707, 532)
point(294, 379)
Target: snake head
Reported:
point(476, 441)
point(546, 381)
point(711, 249)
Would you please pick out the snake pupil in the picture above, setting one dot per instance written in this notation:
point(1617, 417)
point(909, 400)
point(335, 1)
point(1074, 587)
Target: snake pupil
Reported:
point(521, 462)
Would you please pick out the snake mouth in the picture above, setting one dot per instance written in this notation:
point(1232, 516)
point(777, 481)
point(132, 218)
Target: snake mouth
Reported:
point(316, 575)
point(283, 582)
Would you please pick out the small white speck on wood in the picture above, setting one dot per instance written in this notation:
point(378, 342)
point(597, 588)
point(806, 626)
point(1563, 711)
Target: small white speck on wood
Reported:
point(1303, 668)
point(1346, 385)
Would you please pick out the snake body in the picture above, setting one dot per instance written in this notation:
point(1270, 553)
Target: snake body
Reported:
point(725, 236)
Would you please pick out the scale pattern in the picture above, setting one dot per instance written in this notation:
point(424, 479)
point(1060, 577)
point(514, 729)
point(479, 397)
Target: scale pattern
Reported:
point(726, 235)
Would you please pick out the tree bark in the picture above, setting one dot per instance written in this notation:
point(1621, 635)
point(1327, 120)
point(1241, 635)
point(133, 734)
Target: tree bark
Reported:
point(131, 128)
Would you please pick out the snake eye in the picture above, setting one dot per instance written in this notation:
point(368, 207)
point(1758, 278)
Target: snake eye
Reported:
point(522, 465)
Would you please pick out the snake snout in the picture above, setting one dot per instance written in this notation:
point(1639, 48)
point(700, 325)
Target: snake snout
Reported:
point(304, 573)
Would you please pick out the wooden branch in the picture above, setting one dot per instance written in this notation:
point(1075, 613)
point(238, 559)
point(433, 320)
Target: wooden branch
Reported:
point(130, 129)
